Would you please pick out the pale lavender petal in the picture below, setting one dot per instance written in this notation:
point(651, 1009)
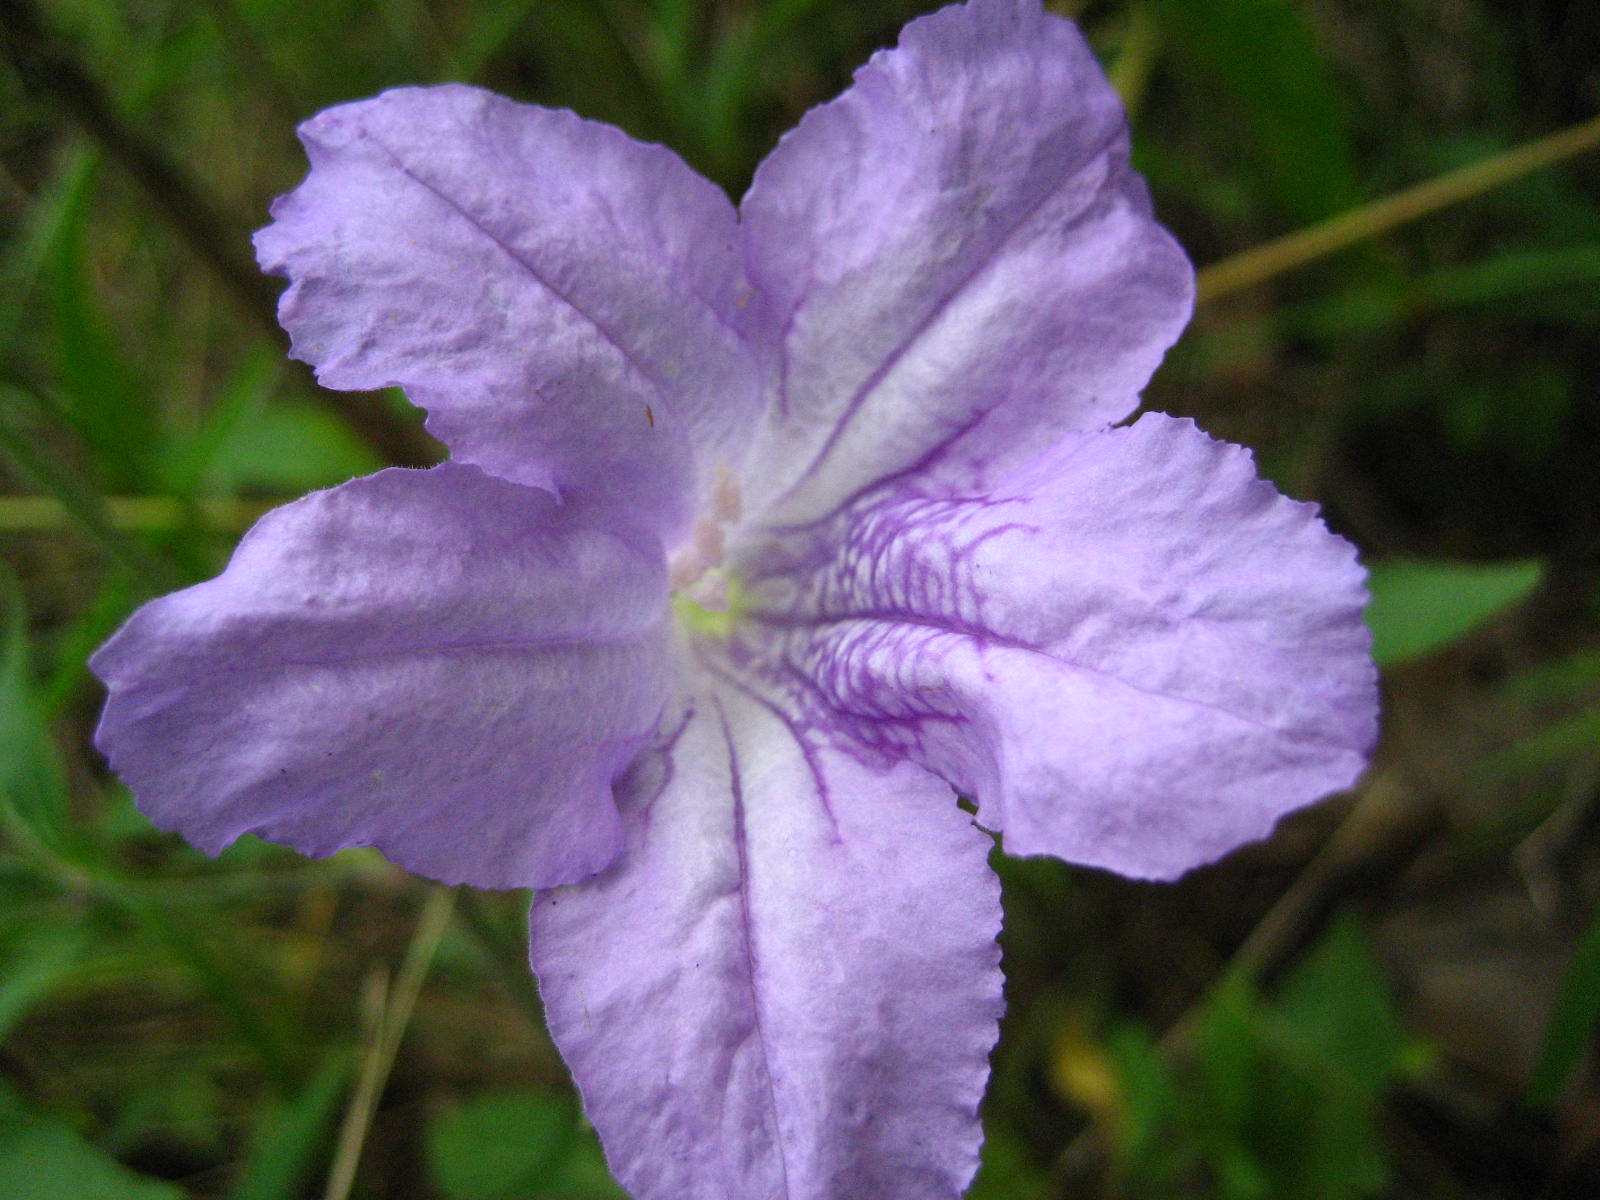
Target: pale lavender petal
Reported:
point(787, 987)
point(440, 664)
point(557, 295)
point(1134, 653)
point(957, 260)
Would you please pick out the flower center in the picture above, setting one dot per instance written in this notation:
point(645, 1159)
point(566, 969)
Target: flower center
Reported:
point(703, 594)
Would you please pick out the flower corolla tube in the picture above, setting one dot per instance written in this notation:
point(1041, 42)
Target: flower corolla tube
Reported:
point(766, 533)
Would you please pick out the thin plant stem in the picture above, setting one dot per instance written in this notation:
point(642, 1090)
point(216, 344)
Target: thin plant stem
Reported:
point(388, 1013)
point(79, 507)
point(1137, 58)
point(146, 514)
point(1361, 224)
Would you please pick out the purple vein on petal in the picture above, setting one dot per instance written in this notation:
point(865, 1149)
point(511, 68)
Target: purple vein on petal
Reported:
point(533, 272)
point(924, 462)
point(339, 660)
point(823, 703)
point(985, 261)
point(989, 639)
point(781, 341)
point(741, 846)
point(807, 751)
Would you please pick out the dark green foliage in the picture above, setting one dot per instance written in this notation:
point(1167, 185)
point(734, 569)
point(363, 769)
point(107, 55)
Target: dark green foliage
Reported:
point(518, 1145)
point(1399, 1002)
point(42, 1159)
point(1418, 606)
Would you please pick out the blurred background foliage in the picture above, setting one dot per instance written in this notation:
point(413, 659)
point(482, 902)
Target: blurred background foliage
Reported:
point(1396, 996)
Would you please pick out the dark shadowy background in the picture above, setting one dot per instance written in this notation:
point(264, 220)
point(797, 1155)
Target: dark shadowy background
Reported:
point(1394, 997)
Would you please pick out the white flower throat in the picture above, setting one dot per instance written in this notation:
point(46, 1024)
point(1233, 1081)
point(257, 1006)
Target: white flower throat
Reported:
point(701, 589)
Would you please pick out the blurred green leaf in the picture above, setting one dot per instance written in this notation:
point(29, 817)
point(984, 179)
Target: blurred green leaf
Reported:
point(1562, 678)
point(1556, 285)
point(25, 432)
point(187, 938)
point(1261, 58)
point(34, 958)
point(1278, 1096)
point(28, 254)
point(1230, 1071)
point(41, 1159)
point(518, 1145)
point(1337, 1007)
point(721, 96)
point(485, 35)
point(1418, 606)
point(33, 792)
point(102, 387)
point(1147, 1152)
point(293, 1135)
point(585, 58)
point(104, 612)
point(1006, 1172)
point(1520, 413)
point(289, 449)
point(1335, 1025)
point(1573, 1022)
point(252, 441)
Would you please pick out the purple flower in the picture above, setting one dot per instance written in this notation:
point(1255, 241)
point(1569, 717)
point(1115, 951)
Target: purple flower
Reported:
point(765, 534)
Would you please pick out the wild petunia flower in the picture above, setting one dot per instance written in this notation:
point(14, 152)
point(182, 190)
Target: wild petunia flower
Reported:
point(765, 535)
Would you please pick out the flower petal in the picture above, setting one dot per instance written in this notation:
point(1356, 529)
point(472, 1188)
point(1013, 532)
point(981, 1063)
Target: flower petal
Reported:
point(1134, 653)
point(958, 261)
point(787, 987)
point(559, 296)
point(437, 663)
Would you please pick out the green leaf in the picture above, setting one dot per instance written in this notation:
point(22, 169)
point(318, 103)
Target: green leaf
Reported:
point(1152, 1104)
point(103, 388)
point(1420, 606)
point(1336, 1031)
point(78, 640)
point(28, 251)
point(1568, 678)
point(293, 1136)
point(586, 59)
point(1572, 1022)
point(485, 35)
point(1007, 1173)
point(1516, 287)
point(1286, 1089)
point(34, 805)
point(187, 939)
point(1338, 1010)
point(518, 1145)
point(288, 449)
point(1260, 58)
point(1230, 1067)
point(41, 1159)
point(36, 956)
point(24, 443)
point(1566, 740)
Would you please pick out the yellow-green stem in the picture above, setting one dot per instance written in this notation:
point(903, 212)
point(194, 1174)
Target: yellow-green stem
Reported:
point(388, 1012)
point(1136, 58)
point(30, 514)
point(1370, 220)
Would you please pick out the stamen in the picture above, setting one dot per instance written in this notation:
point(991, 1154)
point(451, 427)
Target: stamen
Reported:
point(694, 570)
